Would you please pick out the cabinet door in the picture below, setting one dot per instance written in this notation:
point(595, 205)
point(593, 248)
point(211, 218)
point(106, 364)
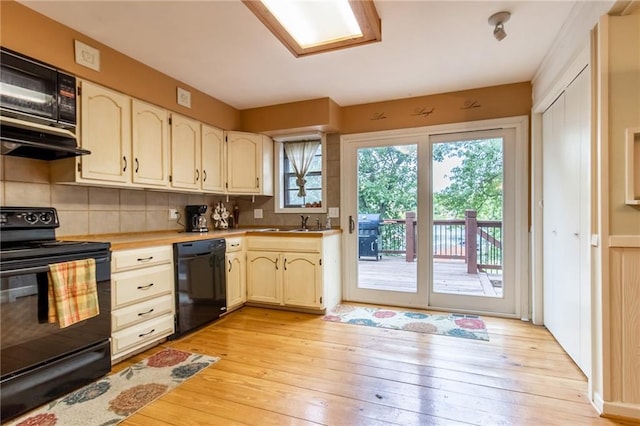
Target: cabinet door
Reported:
point(213, 167)
point(185, 152)
point(105, 130)
point(264, 277)
point(236, 280)
point(150, 144)
point(302, 279)
point(244, 162)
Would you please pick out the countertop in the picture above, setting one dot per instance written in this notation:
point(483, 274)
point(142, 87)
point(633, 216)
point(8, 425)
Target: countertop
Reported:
point(132, 240)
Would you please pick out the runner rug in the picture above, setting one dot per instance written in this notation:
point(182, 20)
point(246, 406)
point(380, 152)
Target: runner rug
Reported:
point(457, 325)
point(111, 400)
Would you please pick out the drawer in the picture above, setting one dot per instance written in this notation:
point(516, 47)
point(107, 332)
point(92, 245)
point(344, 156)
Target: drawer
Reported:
point(143, 333)
point(141, 284)
point(292, 244)
point(143, 311)
point(234, 244)
point(140, 258)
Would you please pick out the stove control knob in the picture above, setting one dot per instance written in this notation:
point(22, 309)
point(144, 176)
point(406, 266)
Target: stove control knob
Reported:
point(46, 217)
point(31, 218)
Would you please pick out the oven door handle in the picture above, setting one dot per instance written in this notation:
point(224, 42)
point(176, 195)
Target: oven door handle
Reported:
point(37, 269)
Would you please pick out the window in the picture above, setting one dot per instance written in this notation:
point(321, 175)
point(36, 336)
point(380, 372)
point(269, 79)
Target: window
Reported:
point(288, 197)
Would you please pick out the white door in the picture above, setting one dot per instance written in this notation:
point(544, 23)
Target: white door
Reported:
point(566, 220)
point(382, 177)
point(409, 282)
point(473, 221)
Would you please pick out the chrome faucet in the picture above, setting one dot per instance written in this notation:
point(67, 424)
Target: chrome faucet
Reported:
point(304, 221)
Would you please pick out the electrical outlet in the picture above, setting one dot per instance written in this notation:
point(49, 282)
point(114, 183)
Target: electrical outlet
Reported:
point(173, 214)
point(257, 213)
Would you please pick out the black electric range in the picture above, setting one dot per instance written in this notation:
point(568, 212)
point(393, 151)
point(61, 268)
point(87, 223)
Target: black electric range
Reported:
point(41, 361)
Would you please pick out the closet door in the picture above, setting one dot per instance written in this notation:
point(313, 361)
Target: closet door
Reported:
point(566, 189)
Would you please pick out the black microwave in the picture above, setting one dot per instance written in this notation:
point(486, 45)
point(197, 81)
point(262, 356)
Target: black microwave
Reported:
point(33, 91)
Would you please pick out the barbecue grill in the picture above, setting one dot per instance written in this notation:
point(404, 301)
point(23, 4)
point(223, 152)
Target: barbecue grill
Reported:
point(369, 236)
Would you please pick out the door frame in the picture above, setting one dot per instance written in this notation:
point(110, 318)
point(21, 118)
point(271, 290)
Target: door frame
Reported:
point(520, 124)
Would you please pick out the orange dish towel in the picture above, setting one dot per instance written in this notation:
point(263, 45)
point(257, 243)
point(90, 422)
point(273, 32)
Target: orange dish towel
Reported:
point(73, 292)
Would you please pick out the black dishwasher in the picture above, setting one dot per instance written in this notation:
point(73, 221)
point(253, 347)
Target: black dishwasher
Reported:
point(201, 294)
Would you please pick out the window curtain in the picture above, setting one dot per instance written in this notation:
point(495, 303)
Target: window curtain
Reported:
point(301, 154)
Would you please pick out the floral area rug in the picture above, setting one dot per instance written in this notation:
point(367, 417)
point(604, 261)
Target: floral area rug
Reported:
point(111, 400)
point(457, 325)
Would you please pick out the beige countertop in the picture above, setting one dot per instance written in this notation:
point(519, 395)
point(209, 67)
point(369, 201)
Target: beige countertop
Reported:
point(124, 241)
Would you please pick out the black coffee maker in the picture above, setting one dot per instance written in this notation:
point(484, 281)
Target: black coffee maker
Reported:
point(196, 218)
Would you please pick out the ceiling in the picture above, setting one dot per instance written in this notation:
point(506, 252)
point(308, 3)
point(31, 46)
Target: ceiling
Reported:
point(220, 48)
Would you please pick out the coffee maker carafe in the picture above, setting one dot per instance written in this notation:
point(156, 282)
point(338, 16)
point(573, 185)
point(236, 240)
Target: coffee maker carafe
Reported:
point(196, 218)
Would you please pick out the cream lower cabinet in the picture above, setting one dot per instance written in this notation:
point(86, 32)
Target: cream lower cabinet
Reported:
point(236, 264)
point(142, 299)
point(306, 275)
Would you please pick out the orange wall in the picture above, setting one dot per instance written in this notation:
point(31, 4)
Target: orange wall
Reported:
point(39, 37)
point(455, 107)
point(53, 43)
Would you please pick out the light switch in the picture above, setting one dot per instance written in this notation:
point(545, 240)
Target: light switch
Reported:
point(257, 213)
point(334, 211)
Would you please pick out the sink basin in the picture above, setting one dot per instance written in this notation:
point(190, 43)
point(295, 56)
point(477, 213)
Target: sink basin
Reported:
point(299, 230)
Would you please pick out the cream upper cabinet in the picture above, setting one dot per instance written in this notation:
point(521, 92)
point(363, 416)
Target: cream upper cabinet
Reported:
point(249, 163)
point(150, 144)
point(105, 130)
point(213, 164)
point(185, 153)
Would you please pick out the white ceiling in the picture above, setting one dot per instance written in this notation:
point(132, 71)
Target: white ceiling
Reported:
point(220, 48)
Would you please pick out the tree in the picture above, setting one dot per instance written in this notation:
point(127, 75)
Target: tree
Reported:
point(387, 180)
point(475, 183)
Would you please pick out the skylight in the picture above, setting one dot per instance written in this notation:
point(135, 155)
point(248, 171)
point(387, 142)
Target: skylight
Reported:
point(314, 26)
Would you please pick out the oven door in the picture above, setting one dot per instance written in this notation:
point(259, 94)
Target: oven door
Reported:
point(26, 338)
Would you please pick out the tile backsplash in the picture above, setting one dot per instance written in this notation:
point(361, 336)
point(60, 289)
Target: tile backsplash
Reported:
point(87, 210)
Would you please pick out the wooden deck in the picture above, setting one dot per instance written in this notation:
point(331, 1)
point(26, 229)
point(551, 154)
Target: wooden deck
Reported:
point(396, 274)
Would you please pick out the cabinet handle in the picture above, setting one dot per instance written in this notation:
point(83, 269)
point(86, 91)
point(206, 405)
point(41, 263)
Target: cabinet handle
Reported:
point(285, 263)
point(145, 287)
point(153, 330)
point(124, 169)
point(204, 175)
point(137, 164)
point(352, 225)
point(140, 314)
point(229, 266)
point(257, 182)
point(144, 259)
point(277, 264)
point(197, 175)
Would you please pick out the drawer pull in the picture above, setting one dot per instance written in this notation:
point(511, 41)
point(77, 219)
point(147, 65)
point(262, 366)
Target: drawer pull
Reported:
point(234, 245)
point(145, 259)
point(146, 313)
point(153, 330)
point(145, 287)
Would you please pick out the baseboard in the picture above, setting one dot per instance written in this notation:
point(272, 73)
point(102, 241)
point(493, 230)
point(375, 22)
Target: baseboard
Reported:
point(621, 410)
point(598, 402)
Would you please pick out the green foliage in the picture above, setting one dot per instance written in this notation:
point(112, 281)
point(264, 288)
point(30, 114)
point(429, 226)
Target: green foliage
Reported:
point(475, 183)
point(387, 180)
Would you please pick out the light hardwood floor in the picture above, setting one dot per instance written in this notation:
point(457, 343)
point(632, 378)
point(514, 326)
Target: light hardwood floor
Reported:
point(282, 368)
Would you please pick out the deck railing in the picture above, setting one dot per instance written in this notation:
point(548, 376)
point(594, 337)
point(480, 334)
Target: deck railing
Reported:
point(452, 239)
